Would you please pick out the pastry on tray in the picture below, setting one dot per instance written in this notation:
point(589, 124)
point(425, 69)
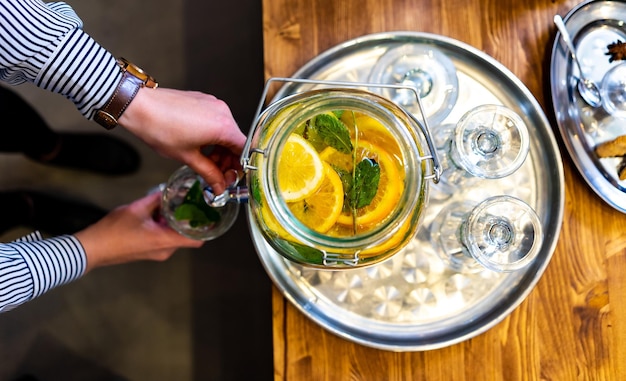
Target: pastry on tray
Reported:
point(621, 170)
point(614, 148)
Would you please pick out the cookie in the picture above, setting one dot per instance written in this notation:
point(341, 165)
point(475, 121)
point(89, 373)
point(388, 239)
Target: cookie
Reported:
point(612, 148)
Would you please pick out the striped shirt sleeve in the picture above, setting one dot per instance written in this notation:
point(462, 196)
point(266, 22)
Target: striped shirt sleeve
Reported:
point(31, 266)
point(44, 43)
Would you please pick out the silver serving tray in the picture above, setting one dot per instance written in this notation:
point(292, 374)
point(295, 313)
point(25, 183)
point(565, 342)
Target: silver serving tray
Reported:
point(592, 25)
point(412, 302)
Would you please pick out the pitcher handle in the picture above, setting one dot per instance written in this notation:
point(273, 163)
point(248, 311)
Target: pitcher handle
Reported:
point(424, 127)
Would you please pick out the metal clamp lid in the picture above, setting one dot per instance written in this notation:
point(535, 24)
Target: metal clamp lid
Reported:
point(435, 166)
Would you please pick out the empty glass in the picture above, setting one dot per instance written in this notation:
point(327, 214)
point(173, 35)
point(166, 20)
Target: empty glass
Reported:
point(613, 91)
point(424, 68)
point(501, 233)
point(489, 142)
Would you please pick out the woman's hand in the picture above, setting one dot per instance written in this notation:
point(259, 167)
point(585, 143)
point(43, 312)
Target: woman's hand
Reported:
point(179, 124)
point(131, 233)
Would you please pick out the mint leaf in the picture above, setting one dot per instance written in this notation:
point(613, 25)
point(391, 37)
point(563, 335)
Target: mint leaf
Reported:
point(256, 189)
point(310, 133)
point(338, 113)
point(195, 209)
point(346, 182)
point(299, 252)
point(193, 214)
point(333, 132)
point(365, 184)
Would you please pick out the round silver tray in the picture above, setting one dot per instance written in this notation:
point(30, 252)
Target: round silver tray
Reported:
point(592, 25)
point(412, 302)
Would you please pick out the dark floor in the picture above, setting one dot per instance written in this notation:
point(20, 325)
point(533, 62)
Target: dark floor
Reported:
point(204, 314)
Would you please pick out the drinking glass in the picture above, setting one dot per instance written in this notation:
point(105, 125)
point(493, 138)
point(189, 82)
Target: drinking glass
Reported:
point(501, 233)
point(488, 142)
point(190, 207)
point(424, 68)
point(613, 91)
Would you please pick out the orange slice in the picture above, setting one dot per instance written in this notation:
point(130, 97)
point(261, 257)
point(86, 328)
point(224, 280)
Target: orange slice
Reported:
point(321, 210)
point(390, 186)
point(372, 130)
point(393, 244)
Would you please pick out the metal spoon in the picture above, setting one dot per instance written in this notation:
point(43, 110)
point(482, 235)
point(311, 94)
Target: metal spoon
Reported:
point(586, 87)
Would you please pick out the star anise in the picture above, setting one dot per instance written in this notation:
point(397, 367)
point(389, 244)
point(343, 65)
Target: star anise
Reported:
point(617, 51)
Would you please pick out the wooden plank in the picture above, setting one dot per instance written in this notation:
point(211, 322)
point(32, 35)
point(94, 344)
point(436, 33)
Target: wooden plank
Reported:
point(278, 333)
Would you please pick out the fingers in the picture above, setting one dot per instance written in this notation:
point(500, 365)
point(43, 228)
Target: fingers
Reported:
point(177, 240)
point(235, 141)
point(209, 171)
point(231, 176)
point(147, 206)
point(225, 159)
point(152, 201)
point(219, 169)
point(230, 135)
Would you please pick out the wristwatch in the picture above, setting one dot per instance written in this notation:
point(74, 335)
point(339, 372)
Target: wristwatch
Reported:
point(133, 78)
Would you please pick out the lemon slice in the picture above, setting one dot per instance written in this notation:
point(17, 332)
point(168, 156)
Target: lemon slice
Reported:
point(300, 170)
point(272, 224)
point(390, 185)
point(321, 210)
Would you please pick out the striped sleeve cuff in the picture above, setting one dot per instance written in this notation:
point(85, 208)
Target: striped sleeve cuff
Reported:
point(31, 267)
point(44, 43)
point(81, 70)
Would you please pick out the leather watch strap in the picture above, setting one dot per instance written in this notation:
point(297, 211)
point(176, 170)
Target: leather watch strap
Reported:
point(133, 78)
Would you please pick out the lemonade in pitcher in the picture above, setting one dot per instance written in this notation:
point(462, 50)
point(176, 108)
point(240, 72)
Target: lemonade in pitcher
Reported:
point(338, 178)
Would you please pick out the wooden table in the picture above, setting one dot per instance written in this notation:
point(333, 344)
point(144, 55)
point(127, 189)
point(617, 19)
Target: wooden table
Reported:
point(573, 324)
